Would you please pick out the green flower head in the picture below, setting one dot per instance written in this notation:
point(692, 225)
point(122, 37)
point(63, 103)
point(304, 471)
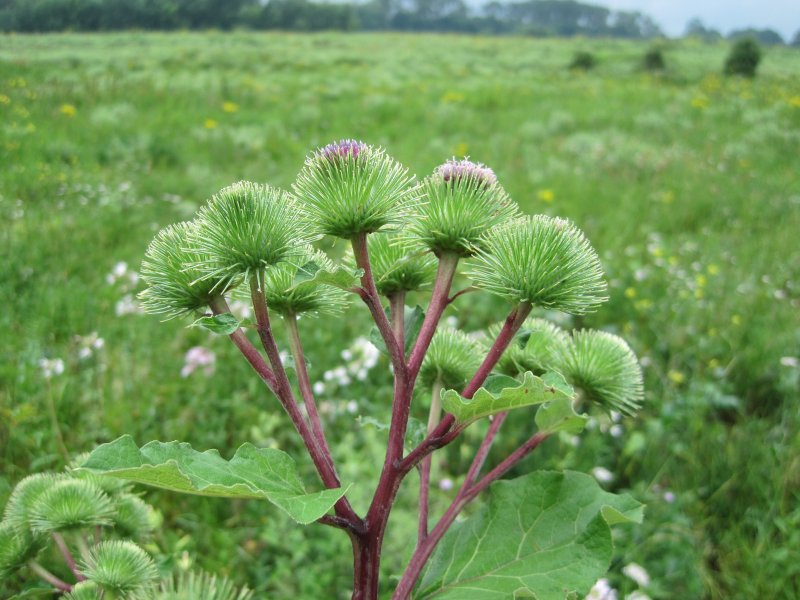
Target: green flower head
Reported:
point(175, 284)
point(246, 228)
point(463, 200)
point(452, 359)
point(120, 567)
point(288, 295)
point(399, 265)
point(535, 348)
point(71, 504)
point(348, 187)
point(604, 367)
point(543, 261)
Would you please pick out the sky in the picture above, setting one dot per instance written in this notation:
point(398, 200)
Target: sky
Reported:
point(672, 15)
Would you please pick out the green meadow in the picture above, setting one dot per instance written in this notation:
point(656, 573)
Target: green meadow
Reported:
point(686, 182)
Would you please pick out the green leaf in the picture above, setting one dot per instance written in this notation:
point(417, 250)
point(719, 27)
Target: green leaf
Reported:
point(546, 535)
point(502, 393)
point(559, 415)
point(338, 276)
point(224, 324)
point(251, 473)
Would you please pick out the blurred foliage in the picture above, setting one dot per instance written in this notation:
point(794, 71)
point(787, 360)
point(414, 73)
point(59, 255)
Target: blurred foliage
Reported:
point(686, 184)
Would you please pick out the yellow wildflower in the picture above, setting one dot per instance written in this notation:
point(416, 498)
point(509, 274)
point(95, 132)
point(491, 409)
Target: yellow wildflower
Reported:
point(700, 280)
point(668, 197)
point(794, 101)
point(630, 293)
point(68, 110)
point(713, 363)
point(452, 97)
point(676, 377)
point(712, 269)
point(209, 123)
point(736, 320)
point(230, 107)
point(4, 99)
point(546, 195)
point(700, 102)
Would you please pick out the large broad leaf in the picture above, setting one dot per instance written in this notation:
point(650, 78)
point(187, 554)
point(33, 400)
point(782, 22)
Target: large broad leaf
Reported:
point(339, 276)
point(559, 415)
point(251, 473)
point(502, 393)
point(546, 535)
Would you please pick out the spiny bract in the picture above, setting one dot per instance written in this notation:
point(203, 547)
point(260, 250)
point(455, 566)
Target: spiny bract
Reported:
point(604, 367)
point(349, 187)
point(287, 297)
point(543, 261)
point(534, 348)
point(399, 265)
point(120, 567)
point(246, 228)
point(463, 200)
point(71, 504)
point(174, 282)
point(453, 357)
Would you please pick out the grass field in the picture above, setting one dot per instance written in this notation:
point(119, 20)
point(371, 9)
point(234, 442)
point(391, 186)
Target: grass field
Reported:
point(687, 183)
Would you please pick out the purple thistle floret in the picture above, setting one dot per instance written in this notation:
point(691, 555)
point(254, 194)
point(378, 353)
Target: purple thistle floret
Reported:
point(342, 149)
point(455, 171)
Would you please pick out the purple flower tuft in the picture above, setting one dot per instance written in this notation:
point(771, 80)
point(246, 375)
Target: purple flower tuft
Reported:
point(456, 171)
point(342, 149)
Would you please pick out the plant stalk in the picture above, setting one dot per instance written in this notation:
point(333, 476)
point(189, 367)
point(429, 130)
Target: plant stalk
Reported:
point(286, 396)
point(434, 416)
point(68, 558)
point(397, 309)
point(49, 577)
point(305, 387)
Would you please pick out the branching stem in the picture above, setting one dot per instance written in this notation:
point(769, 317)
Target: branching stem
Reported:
point(68, 558)
point(305, 386)
point(284, 392)
point(434, 416)
point(49, 577)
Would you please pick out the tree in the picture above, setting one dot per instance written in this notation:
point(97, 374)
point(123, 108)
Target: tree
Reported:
point(696, 29)
point(768, 37)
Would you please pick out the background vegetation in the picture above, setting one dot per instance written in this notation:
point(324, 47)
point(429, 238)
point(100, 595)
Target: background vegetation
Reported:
point(686, 183)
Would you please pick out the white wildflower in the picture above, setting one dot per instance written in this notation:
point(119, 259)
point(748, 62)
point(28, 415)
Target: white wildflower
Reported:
point(602, 590)
point(603, 475)
point(446, 484)
point(637, 573)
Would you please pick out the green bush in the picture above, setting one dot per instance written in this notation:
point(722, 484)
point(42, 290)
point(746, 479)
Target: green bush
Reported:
point(653, 60)
point(583, 61)
point(744, 58)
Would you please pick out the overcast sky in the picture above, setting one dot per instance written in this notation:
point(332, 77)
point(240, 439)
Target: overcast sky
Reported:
point(781, 15)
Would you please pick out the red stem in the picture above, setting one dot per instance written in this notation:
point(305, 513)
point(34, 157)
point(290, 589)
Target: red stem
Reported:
point(466, 494)
point(439, 301)
point(425, 467)
point(49, 577)
point(220, 306)
point(397, 308)
point(68, 558)
point(305, 387)
point(283, 390)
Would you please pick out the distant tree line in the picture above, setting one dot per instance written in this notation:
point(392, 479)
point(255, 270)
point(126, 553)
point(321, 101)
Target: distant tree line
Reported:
point(536, 17)
point(530, 17)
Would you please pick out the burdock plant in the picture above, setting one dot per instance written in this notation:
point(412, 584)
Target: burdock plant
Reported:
point(543, 535)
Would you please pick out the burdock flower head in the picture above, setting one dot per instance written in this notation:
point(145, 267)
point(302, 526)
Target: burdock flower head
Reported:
point(452, 359)
point(246, 228)
point(348, 188)
point(536, 347)
point(291, 290)
point(541, 261)
point(175, 284)
point(604, 368)
point(464, 200)
point(400, 266)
